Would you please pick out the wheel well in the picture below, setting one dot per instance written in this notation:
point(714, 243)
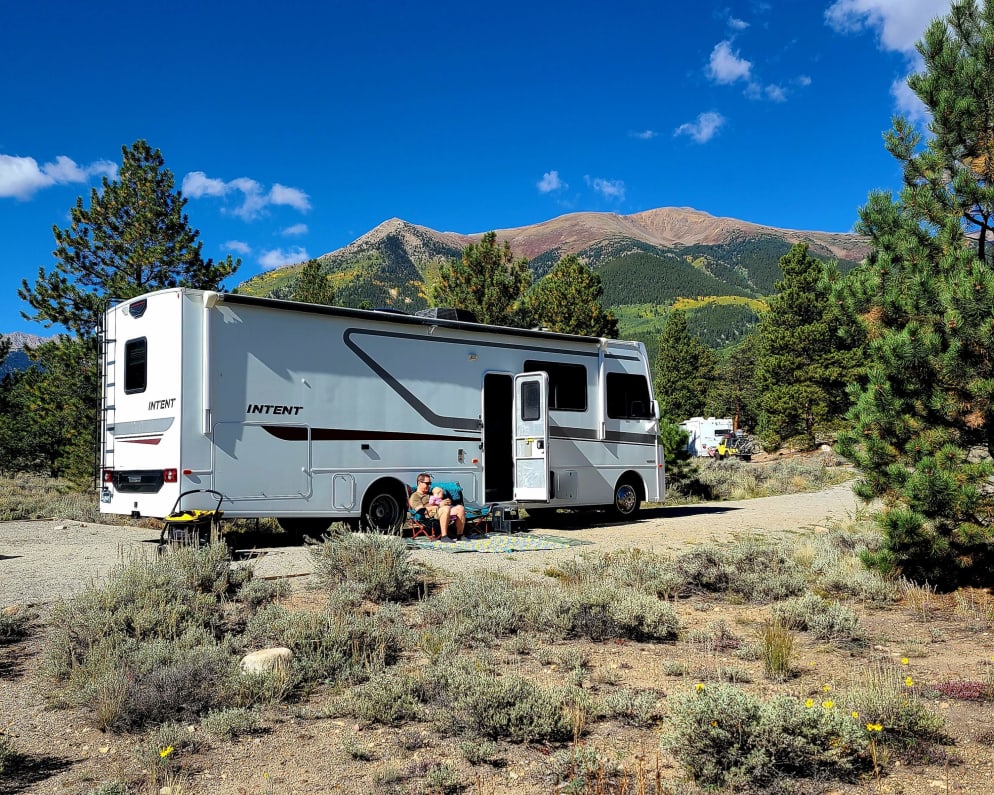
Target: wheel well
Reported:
point(385, 485)
point(636, 480)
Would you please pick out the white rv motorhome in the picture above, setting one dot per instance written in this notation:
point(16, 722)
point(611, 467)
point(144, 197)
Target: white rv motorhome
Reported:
point(312, 414)
point(706, 433)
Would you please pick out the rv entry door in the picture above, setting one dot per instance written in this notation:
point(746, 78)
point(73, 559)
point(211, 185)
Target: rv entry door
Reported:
point(531, 437)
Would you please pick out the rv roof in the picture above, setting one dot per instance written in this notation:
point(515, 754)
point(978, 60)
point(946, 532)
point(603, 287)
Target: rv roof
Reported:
point(391, 317)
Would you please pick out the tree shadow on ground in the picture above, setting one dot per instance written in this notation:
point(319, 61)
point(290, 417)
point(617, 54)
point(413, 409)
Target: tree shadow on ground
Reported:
point(28, 770)
point(567, 520)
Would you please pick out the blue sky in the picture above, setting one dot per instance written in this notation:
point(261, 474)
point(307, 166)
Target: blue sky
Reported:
point(294, 128)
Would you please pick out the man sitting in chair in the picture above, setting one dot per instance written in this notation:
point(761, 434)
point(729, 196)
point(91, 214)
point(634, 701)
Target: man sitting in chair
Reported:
point(443, 512)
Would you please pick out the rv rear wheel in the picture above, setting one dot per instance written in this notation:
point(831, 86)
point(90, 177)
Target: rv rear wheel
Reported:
point(627, 498)
point(383, 511)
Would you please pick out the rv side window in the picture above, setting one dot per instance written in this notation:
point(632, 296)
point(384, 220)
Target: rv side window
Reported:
point(135, 365)
point(531, 401)
point(628, 397)
point(567, 384)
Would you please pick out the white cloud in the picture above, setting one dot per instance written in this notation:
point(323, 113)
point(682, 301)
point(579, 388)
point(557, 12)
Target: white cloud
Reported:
point(775, 93)
point(22, 177)
point(197, 184)
point(737, 24)
point(645, 135)
point(277, 257)
point(897, 23)
point(550, 182)
point(281, 194)
point(804, 81)
point(704, 128)
point(296, 229)
point(237, 246)
point(608, 188)
point(254, 199)
point(726, 66)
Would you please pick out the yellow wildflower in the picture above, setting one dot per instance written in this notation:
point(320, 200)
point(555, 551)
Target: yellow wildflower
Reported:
point(809, 703)
point(874, 727)
point(904, 661)
point(826, 688)
point(164, 752)
point(699, 687)
point(855, 715)
point(909, 681)
point(828, 704)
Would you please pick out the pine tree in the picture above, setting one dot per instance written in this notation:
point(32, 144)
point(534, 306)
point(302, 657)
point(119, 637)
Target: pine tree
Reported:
point(733, 393)
point(488, 281)
point(133, 238)
point(803, 363)
point(923, 433)
point(568, 300)
point(685, 369)
point(312, 286)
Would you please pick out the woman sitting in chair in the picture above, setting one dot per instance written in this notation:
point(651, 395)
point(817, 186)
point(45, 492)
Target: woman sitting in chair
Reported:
point(444, 512)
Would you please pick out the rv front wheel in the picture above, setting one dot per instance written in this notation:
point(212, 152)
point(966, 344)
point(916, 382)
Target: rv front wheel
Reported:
point(383, 511)
point(627, 498)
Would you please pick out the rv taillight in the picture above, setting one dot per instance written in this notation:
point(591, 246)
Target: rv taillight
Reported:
point(108, 476)
point(169, 476)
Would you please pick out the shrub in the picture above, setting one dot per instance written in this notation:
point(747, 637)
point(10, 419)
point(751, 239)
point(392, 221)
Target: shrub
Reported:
point(479, 608)
point(15, 625)
point(380, 566)
point(256, 593)
point(30, 496)
point(230, 723)
point(750, 570)
point(342, 647)
point(503, 707)
point(776, 644)
point(880, 695)
point(825, 620)
point(723, 736)
point(479, 752)
point(637, 569)
point(636, 708)
point(393, 698)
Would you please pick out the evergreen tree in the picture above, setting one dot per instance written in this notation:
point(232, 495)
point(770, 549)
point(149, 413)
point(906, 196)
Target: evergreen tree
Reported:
point(733, 393)
point(133, 238)
point(568, 300)
point(488, 281)
point(923, 432)
point(804, 364)
point(685, 369)
point(312, 286)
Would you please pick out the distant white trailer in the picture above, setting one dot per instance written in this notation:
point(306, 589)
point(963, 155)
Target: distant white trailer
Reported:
point(706, 434)
point(312, 414)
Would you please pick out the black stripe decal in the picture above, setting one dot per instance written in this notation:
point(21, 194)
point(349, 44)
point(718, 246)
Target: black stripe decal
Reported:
point(297, 433)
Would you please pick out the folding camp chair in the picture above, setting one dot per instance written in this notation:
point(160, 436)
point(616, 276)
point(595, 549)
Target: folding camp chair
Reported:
point(477, 516)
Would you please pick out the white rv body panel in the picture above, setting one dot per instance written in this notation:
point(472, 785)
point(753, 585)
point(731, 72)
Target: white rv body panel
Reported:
point(705, 433)
point(294, 410)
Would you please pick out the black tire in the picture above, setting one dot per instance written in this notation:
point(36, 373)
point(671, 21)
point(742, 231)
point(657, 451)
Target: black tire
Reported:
point(383, 511)
point(627, 498)
point(296, 527)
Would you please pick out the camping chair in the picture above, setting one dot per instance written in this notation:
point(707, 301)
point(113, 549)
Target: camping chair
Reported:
point(477, 516)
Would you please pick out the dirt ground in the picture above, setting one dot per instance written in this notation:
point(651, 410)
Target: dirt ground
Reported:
point(302, 752)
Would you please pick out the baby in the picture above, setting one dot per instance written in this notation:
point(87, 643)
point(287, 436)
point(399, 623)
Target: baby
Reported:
point(437, 494)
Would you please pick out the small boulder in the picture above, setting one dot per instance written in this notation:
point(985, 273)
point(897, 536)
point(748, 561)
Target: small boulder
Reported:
point(259, 662)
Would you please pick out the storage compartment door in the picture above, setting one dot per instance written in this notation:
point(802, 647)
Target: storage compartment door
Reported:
point(531, 437)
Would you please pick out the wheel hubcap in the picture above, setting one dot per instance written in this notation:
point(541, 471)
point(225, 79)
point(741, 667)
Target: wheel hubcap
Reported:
point(625, 499)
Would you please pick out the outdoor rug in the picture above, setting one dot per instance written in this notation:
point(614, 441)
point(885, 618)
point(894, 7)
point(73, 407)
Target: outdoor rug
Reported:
point(500, 542)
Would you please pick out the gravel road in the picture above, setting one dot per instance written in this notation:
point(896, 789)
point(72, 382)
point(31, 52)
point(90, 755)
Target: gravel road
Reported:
point(42, 561)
